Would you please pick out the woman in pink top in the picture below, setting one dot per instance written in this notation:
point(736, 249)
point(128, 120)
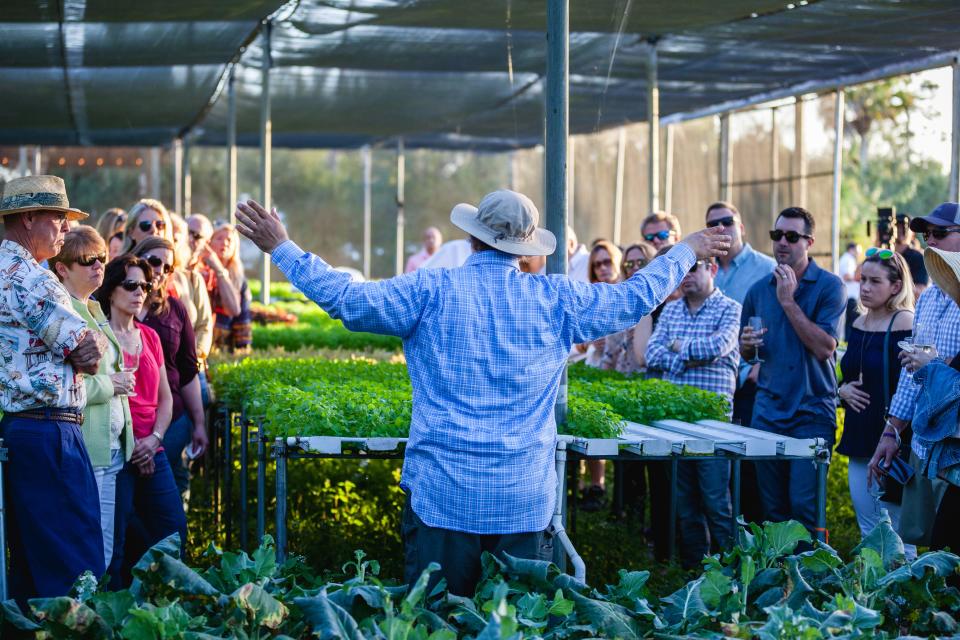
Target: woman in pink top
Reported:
point(145, 485)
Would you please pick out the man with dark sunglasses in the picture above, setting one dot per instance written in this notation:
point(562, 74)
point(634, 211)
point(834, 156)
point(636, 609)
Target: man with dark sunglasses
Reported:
point(800, 306)
point(661, 229)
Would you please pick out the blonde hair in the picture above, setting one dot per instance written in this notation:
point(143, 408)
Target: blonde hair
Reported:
point(615, 255)
point(897, 271)
point(77, 243)
point(133, 218)
point(232, 262)
point(646, 249)
point(662, 216)
point(110, 222)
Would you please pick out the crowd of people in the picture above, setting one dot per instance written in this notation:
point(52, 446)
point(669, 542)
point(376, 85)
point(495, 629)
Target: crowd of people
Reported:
point(105, 332)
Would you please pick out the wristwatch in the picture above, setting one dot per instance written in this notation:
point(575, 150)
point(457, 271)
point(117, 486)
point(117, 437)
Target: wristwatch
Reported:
point(156, 434)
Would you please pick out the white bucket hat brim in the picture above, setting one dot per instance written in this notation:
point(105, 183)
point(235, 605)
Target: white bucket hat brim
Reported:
point(540, 242)
point(944, 269)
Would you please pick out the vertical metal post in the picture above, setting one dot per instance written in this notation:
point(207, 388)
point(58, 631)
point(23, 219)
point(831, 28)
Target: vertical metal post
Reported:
point(261, 482)
point(367, 207)
point(774, 164)
point(955, 136)
point(823, 465)
point(653, 129)
point(668, 171)
point(187, 189)
point(22, 168)
point(37, 160)
point(557, 130)
point(799, 154)
point(618, 188)
point(838, 120)
point(401, 218)
point(266, 152)
point(244, 450)
point(154, 189)
point(232, 146)
point(280, 453)
point(735, 481)
point(725, 165)
point(178, 174)
point(674, 499)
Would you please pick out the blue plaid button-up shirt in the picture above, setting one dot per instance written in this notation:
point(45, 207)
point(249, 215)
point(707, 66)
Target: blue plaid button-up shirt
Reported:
point(485, 346)
point(707, 342)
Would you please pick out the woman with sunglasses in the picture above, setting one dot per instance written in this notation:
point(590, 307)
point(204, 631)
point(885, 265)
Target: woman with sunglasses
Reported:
point(871, 369)
point(626, 351)
point(167, 315)
point(146, 492)
point(146, 218)
point(107, 426)
point(110, 226)
point(233, 332)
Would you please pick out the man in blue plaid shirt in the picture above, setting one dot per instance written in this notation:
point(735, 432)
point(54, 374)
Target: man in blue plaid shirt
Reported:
point(486, 346)
point(695, 343)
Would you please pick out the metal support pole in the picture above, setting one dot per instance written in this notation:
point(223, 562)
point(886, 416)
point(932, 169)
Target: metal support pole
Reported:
point(266, 152)
point(774, 164)
point(668, 171)
point(367, 207)
point(401, 217)
point(557, 130)
point(3, 529)
point(653, 129)
point(280, 453)
point(154, 189)
point(838, 120)
point(735, 481)
point(187, 189)
point(674, 497)
point(565, 547)
point(232, 146)
point(178, 175)
point(725, 157)
point(244, 450)
point(618, 188)
point(37, 160)
point(261, 482)
point(955, 135)
point(800, 155)
point(823, 465)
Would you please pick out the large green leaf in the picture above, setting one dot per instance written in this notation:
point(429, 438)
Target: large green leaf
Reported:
point(609, 619)
point(685, 607)
point(885, 541)
point(327, 619)
point(260, 608)
point(538, 573)
point(798, 590)
point(69, 618)
point(781, 538)
point(821, 560)
point(939, 563)
point(12, 618)
point(113, 606)
point(164, 574)
point(714, 588)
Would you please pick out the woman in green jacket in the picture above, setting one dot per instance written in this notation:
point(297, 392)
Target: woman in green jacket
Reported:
point(107, 427)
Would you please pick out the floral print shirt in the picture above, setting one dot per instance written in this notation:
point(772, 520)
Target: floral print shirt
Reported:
point(38, 330)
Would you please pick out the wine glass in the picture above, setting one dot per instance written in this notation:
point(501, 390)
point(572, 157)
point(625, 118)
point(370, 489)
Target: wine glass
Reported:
point(756, 324)
point(923, 338)
point(131, 360)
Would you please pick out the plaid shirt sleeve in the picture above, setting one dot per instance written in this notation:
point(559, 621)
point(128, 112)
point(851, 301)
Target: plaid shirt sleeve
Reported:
point(659, 354)
point(391, 307)
point(720, 343)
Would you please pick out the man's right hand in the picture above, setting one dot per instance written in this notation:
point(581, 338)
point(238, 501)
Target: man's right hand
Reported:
point(86, 357)
point(750, 341)
point(708, 243)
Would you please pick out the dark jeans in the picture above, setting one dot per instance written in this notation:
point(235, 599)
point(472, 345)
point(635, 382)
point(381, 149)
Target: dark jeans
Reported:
point(53, 508)
point(788, 490)
point(703, 509)
point(751, 507)
point(148, 510)
point(458, 553)
point(175, 440)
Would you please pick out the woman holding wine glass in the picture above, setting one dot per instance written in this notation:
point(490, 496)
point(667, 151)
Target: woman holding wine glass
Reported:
point(145, 485)
point(107, 426)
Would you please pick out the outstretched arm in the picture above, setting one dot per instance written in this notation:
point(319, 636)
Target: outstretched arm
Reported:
point(390, 307)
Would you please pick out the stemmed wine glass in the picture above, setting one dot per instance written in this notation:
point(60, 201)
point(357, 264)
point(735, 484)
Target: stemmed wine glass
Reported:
point(131, 359)
point(756, 324)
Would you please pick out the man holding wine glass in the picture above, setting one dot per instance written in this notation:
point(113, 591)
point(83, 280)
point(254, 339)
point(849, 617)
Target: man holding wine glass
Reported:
point(790, 321)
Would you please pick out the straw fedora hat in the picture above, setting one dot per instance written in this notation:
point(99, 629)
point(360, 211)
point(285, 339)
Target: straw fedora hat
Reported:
point(944, 268)
point(37, 193)
point(507, 221)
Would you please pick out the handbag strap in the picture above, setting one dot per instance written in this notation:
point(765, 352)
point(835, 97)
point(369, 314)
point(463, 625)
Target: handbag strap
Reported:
point(886, 363)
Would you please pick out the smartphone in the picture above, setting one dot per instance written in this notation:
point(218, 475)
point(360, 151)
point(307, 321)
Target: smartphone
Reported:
point(899, 471)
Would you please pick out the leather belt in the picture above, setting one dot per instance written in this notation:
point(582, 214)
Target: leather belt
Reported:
point(58, 415)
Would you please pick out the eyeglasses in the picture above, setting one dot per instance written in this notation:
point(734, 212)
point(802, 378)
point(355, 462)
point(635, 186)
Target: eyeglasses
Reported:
point(727, 222)
point(196, 235)
point(157, 263)
point(696, 265)
point(133, 285)
point(940, 232)
point(661, 235)
point(148, 225)
point(883, 254)
point(630, 264)
point(602, 263)
point(87, 261)
point(793, 237)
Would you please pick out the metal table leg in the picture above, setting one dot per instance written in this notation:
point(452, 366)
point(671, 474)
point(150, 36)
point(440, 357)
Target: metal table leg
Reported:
point(244, 441)
point(261, 482)
point(672, 525)
point(735, 480)
point(823, 466)
point(280, 453)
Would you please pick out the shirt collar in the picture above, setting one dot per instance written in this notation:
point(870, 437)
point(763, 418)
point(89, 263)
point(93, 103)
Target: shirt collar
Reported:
point(18, 249)
point(494, 257)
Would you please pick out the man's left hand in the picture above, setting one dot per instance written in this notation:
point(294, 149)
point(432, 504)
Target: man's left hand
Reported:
point(786, 283)
point(261, 226)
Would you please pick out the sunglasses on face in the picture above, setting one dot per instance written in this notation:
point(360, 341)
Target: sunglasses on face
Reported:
point(157, 263)
point(793, 237)
point(696, 266)
point(87, 261)
point(148, 225)
point(883, 254)
point(631, 264)
point(660, 235)
point(196, 235)
point(940, 232)
point(728, 221)
point(603, 263)
point(133, 285)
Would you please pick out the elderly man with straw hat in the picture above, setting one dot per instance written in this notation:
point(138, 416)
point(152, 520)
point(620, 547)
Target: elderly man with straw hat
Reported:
point(54, 510)
point(486, 347)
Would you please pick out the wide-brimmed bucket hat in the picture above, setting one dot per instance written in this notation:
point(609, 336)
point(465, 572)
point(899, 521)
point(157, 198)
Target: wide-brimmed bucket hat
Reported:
point(944, 269)
point(507, 221)
point(37, 193)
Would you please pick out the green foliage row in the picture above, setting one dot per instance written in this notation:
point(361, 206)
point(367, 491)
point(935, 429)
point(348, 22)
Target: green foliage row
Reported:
point(363, 398)
point(765, 588)
point(315, 329)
